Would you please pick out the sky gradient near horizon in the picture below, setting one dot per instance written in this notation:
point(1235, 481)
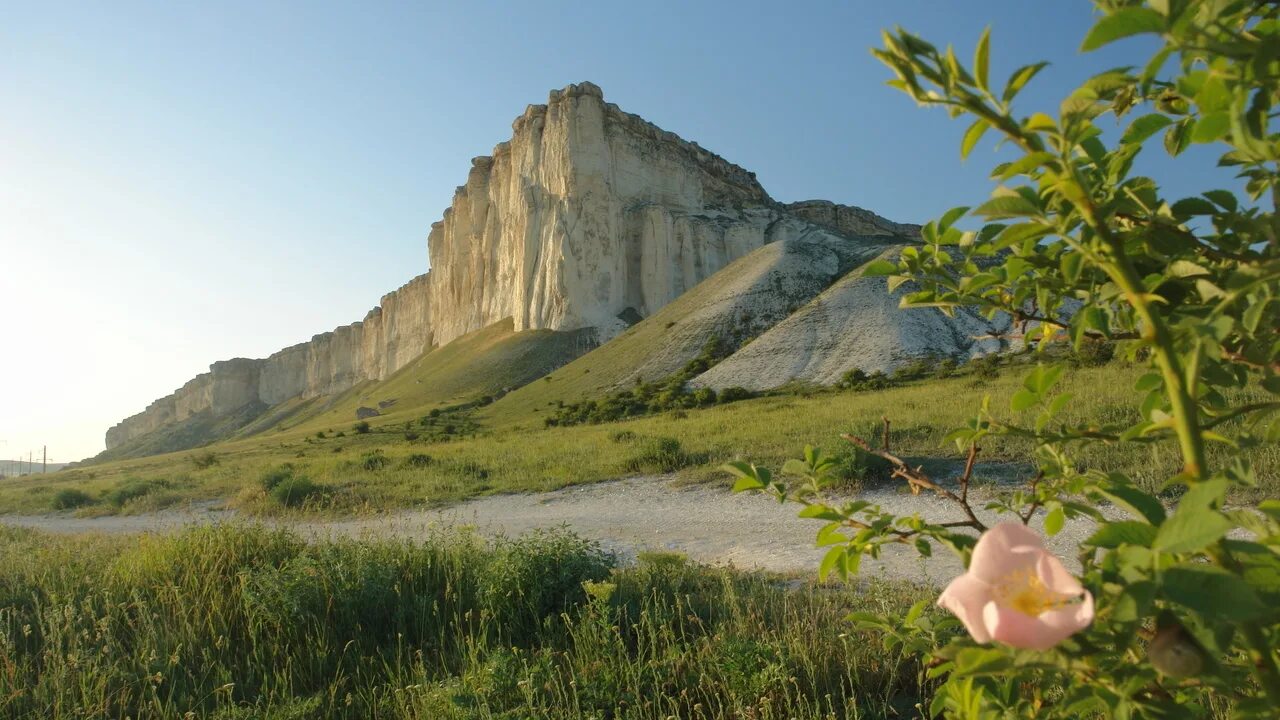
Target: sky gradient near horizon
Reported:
point(183, 183)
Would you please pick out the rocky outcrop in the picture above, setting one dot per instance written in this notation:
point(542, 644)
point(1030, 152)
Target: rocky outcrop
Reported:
point(855, 324)
point(587, 218)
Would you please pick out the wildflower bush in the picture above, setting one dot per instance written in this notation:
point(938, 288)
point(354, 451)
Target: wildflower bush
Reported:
point(1175, 611)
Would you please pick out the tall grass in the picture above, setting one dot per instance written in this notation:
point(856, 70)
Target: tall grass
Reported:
point(242, 622)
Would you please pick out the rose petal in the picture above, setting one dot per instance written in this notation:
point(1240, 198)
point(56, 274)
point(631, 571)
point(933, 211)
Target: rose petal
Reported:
point(1017, 629)
point(1055, 576)
point(1071, 618)
point(1005, 548)
point(965, 598)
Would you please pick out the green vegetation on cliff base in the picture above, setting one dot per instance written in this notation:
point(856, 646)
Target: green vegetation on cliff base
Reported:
point(493, 449)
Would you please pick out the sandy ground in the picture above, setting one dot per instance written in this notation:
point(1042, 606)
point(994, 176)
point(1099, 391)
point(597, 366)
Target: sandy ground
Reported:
point(709, 524)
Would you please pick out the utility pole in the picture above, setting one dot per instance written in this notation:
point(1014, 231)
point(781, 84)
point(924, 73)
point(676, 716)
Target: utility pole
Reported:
point(44, 459)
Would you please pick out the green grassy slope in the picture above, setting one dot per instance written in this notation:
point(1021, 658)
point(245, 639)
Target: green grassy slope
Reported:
point(744, 299)
point(490, 361)
point(527, 456)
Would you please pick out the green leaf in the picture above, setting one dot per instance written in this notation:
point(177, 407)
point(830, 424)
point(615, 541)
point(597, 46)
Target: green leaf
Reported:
point(951, 216)
point(1007, 206)
point(1019, 80)
point(1144, 127)
point(879, 268)
point(1186, 268)
point(1177, 137)
point(1137, 502)
point(982, 661)
point(1190, 529)
point(1211, 127)
point(1134, 602)
point(1123, 532)
point(1188, 207)
point(821, 512)
point(1225, 198)
point(1149, 382)
point(1211, 591)
point(1054, 521)
point(972, 136)
point(1023, 400)
point(981, 58)
point(832, 561)
point(923, 547)
point(1123, 23)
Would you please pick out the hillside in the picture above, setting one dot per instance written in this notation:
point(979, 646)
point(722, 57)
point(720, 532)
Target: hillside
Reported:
point(588, 220)
point(854, 324)
point(743, 300)
point(490, 361)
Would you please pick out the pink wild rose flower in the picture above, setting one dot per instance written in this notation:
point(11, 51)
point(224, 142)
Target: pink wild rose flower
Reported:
point(1017, 593)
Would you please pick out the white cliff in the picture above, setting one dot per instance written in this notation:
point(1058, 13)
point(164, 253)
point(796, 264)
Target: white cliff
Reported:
point(586, 215)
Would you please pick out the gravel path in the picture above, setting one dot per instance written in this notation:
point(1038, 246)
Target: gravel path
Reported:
point(709, 524)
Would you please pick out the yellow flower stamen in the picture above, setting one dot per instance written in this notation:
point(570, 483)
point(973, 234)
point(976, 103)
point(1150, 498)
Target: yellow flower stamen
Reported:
point(1024, 591)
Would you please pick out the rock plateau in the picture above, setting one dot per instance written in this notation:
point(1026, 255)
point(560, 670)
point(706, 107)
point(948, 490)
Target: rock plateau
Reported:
point(592, 218)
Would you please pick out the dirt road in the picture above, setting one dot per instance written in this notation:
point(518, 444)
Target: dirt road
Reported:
point(707, 523)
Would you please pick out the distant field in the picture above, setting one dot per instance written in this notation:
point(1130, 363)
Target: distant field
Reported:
point(505, 447)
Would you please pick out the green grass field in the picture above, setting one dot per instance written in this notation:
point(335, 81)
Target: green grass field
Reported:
point(504, 447)
point(236, 623)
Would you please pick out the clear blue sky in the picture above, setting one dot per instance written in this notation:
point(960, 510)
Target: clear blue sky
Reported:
point(186, 182)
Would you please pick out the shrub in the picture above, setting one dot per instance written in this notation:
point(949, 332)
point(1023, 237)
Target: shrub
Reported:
point(1093, 353)
point(418, 460)
point(411, 436)
point(946, 368)
point(734, 394)
point(469, 470)
point(661, 455)
point(204, 460)
point(986, 367)
point(132, 489)
point(704, 396)
point(361, 427)
point(856, 466)
point(320, 435)
point(539, 575)
point(374, 461)
point(854, 379)
point(71, 498)
point(1175, 601)
point(295, 490)
point(276, 475)
point(622, 436)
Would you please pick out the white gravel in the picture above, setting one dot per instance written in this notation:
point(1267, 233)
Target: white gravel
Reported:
point(708, 523)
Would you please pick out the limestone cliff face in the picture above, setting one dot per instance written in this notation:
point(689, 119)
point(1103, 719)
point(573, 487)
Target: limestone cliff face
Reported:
point(586, 215)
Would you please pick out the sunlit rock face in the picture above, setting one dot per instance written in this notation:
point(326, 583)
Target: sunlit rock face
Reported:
point(586, 214)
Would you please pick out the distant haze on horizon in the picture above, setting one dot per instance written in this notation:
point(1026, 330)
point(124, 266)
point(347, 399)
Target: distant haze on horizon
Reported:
point(180, 185)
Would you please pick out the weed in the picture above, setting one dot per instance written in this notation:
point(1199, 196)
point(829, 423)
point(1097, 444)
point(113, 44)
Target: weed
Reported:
point(295, 491)
point(70, 498)
point(204, 460)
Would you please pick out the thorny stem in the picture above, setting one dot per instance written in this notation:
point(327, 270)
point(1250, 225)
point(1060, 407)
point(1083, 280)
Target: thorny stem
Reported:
point(917, 480)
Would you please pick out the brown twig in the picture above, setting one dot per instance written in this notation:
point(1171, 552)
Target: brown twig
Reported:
point(968, 473)
point(1035, 502)
point(917, 480)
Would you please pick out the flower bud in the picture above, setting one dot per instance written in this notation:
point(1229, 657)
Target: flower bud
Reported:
point(1175, 653)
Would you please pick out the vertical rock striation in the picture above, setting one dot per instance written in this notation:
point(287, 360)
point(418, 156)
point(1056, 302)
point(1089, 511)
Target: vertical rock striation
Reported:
point(587, 215)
